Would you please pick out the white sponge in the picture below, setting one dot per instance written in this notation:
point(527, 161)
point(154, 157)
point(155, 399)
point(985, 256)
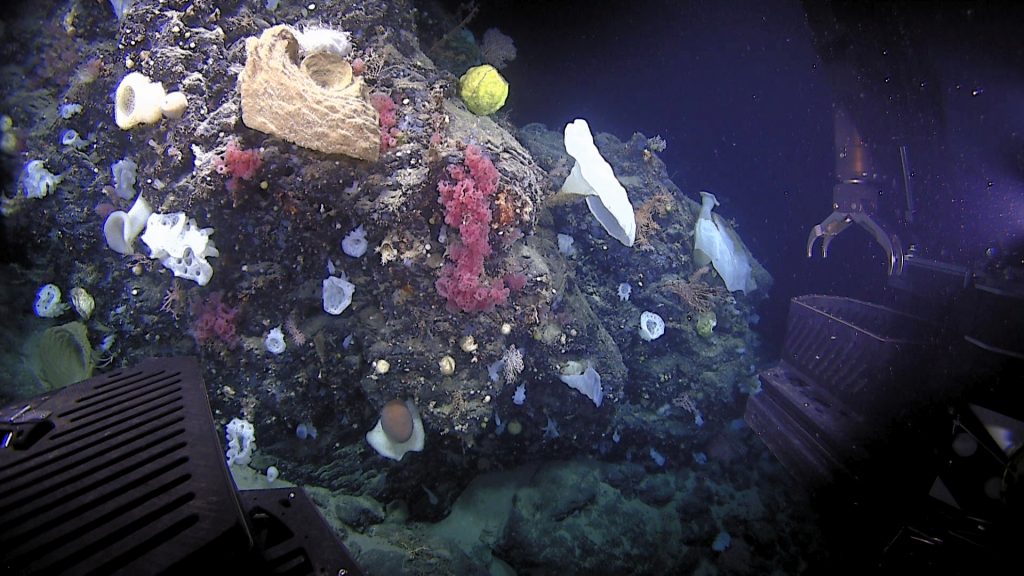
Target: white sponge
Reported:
point(137, 101)
point(121, 228)
point(715, 242)
point(593, 177)
point(181, 246)
point(320, 39)
point(337, 294)
point(241, 437)
point(37, 181)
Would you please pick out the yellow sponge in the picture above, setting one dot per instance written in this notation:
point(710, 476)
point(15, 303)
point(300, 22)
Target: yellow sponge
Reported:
point(483, 89)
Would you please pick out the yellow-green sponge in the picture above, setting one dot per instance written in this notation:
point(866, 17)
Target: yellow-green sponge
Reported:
point(483, 89)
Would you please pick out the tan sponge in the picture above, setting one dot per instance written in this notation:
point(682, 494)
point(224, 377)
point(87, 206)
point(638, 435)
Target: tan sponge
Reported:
point(309, 99)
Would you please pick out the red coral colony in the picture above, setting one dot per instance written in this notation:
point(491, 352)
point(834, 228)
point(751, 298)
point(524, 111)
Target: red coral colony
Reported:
point(466, 200)
point(387, 114)
point(239, 164)
point(214, 323)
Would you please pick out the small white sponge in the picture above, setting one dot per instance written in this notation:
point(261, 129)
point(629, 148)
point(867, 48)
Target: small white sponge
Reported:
point(588, 383)
point(121, 228)
point(181, 246)
point(651, 326)
point(337, 294)
point(138, 100)
point(241, 439)
point(37, 181)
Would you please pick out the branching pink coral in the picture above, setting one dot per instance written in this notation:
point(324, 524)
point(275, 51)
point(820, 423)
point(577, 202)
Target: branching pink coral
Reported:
point(467, 201)
point(387, 113)
point(239, 164)
point(214, 322)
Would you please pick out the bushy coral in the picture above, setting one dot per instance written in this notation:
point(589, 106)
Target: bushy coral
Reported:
point(214, 322)
point(497, 48)
point(466, 198)
point(239, 164)
point(387, 114)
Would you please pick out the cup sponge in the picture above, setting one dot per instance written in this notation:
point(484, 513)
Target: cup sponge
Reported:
point(137, 101)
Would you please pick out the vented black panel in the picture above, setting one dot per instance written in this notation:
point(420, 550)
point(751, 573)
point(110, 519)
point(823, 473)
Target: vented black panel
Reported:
point(119, 471)
point(848, 370)
point(292, 539)
point(856, 350)
point(812, 435)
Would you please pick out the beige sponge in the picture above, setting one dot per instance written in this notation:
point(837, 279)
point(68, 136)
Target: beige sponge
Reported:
point(314, 102)
point(174, 104)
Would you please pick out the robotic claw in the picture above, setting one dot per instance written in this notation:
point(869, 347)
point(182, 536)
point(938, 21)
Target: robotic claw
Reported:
point(855, 196)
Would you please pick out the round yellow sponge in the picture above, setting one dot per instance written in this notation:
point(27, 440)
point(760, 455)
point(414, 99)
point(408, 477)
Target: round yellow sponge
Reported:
point(483, 89)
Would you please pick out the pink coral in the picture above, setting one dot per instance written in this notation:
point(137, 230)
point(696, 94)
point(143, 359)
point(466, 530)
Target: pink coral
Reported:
point(515, 281)
point(387, 113)
point(466, 199)
point(214, 322)
point(238, 163)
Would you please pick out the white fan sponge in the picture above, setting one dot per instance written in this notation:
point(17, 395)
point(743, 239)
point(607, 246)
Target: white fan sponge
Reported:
point(593, 177)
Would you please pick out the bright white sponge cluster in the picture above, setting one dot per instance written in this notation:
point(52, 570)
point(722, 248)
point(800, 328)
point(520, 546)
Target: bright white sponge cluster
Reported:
point(181, 246)
point(241, 439)
point(315, 39)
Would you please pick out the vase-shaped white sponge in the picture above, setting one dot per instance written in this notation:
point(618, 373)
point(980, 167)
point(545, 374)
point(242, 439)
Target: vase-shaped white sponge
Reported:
point(121, 228)
point(138, 100)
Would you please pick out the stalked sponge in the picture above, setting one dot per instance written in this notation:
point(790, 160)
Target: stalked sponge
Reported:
point(399, 430)
point(483, 89)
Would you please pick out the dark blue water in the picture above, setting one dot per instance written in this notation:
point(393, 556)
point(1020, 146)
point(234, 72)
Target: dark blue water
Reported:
point(744, 97)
